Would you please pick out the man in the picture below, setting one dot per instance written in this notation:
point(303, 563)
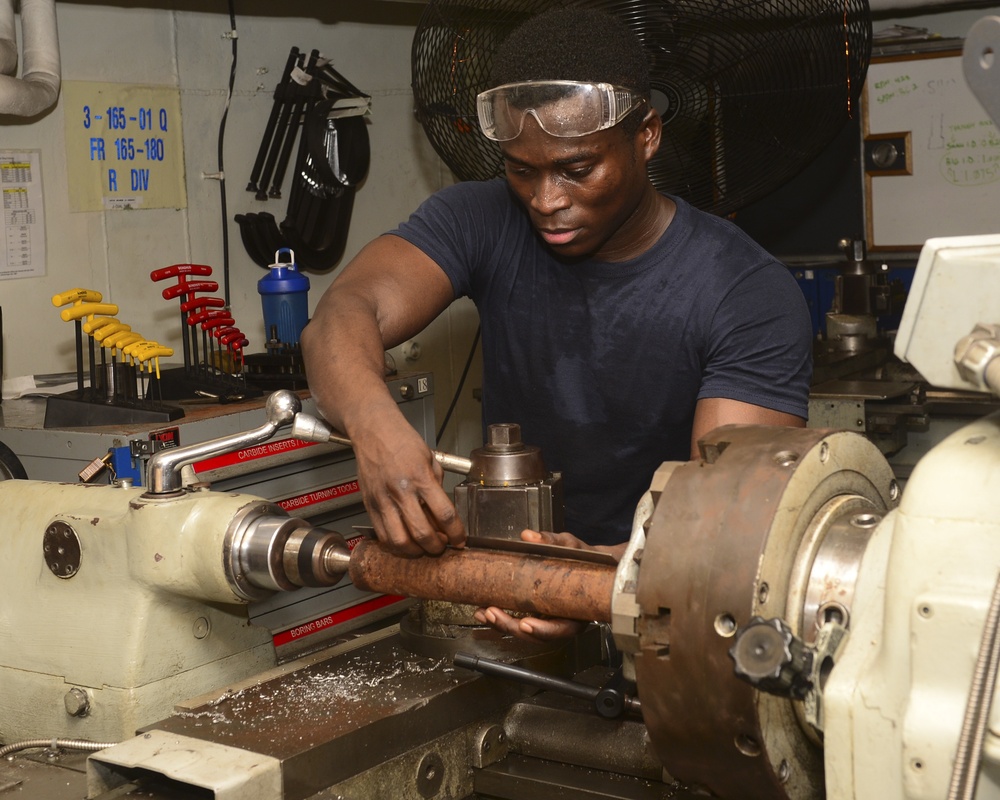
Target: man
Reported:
point(618, 324)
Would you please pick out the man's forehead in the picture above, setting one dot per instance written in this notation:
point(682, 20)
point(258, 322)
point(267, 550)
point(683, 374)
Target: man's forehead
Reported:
point(566, 108)
point(534, 145)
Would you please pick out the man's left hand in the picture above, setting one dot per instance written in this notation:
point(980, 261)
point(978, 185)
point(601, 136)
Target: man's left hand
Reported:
point(534, 629)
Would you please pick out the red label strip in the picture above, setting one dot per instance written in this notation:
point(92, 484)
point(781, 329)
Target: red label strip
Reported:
point(251, 454)
point(320, 495)
point(345, 615)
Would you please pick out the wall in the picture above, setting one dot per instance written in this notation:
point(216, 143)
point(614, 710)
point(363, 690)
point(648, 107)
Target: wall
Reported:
point(946, 22)
point(182, 44)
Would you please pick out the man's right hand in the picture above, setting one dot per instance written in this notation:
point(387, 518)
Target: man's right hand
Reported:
point(401, 485)
point(387, 293)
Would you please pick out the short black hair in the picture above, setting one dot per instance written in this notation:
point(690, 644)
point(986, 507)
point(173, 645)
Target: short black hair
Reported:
point(572, 44)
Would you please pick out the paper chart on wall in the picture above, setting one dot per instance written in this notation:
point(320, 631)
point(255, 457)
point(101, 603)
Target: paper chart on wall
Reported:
point(22, 248)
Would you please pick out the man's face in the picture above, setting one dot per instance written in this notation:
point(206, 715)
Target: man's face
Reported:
point(580, 192)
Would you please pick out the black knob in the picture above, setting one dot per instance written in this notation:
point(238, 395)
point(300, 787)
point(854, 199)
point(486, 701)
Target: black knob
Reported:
point(771, 658)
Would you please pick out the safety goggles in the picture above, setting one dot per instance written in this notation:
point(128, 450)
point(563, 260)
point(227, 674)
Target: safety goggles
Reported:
point(561, 108)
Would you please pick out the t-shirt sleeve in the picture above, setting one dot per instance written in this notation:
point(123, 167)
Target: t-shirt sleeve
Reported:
point(453, 228)
point(760, 347)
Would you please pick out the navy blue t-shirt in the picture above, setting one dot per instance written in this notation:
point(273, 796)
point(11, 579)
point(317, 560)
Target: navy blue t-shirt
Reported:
point(601, 364)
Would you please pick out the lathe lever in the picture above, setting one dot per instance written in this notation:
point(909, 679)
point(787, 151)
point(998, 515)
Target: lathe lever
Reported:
point(610, 700)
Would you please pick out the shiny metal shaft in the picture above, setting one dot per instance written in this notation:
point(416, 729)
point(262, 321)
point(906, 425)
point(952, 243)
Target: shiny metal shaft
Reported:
point(309, 429)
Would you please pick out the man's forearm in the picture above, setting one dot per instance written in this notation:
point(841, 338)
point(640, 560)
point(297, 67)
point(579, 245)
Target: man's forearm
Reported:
point(345, 362)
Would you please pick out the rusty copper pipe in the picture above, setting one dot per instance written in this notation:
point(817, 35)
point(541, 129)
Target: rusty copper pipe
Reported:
point(557, 587)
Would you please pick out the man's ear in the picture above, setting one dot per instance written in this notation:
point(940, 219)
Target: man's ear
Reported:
point(649, 134)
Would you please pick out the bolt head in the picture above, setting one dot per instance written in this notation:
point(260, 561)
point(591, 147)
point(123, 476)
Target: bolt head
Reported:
point(504, 434)
point(77, 702)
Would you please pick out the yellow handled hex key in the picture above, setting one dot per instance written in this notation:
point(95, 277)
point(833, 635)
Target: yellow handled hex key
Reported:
point(89, 310)
point(115, 341)
point(105, 331)
point(101, 335)
point(92, 325)
point(148, 350)
point(119, 339)
point(145, 350)
point(133, 351)
point(132, 348)
point(151, 352)
point(86, 303)
point(76, 296)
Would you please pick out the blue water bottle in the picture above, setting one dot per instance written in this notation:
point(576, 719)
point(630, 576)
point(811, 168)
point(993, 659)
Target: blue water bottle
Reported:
point(284, 294)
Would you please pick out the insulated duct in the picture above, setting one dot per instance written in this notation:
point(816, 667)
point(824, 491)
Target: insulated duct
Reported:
point(38, 87)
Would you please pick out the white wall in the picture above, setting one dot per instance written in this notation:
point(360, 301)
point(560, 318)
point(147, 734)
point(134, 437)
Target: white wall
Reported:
point(180, 44)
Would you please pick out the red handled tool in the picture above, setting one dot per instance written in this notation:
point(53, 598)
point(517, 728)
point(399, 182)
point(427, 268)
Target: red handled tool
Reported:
point(202, 313)
point(186, 292)
point(185, 289)
point(233, 339)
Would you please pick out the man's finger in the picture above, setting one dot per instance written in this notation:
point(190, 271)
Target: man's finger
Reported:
point(421, 528)
point(392, 532)
point(548, 629)
point(444, 516)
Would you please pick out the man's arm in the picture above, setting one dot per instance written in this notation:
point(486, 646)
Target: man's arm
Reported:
point(390, 291)
point(711, 412)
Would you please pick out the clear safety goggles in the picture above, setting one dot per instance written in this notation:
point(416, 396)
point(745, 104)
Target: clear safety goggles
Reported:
point(561, 108)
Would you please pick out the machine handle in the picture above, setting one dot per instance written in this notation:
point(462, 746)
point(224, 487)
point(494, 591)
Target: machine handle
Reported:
point(767, 655)
point(163, 470)
point(610, 700)
point(309, 429)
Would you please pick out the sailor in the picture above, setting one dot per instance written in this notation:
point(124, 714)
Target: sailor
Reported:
point(619, 323)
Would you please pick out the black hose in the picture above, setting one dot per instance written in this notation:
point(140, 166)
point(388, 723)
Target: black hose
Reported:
point(461, 383)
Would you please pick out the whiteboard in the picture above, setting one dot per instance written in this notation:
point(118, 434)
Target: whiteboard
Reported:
point(950, 185)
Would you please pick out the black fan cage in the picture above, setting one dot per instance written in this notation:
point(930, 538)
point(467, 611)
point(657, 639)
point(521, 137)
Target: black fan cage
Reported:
point(750, 91)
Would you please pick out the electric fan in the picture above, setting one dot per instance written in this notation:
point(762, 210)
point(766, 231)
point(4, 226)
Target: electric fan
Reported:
point(750, 91)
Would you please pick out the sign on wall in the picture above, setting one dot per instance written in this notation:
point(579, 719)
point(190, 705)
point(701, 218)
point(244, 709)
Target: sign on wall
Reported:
point(931, 153)
point(123, 146)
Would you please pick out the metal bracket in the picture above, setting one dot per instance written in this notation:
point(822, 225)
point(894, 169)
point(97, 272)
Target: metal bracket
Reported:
point(980, 63)
point(829, 640)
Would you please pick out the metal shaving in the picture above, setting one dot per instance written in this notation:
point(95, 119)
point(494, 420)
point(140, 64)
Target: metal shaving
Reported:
point(332, 692)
